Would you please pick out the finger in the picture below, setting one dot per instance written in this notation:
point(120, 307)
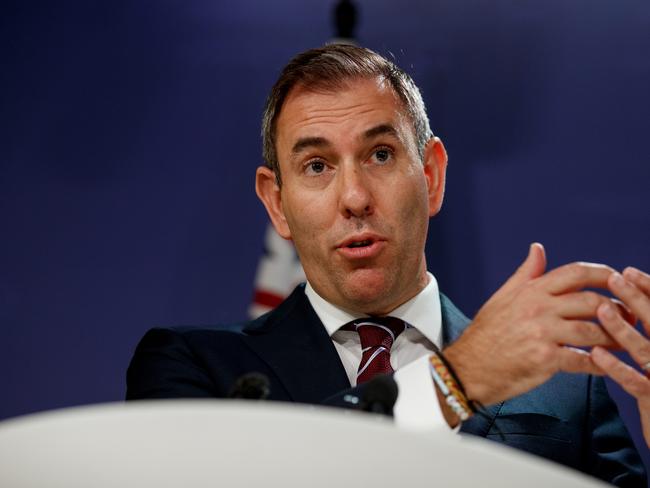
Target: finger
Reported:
point(581, 333)
point(633, 297)
point(575, 276)
point(625, 312)
point(584, 305)
point(625, 334)
point(578, 305)
point(630, 379)
point(640, 279)
point(533, 266)
point(577, 361)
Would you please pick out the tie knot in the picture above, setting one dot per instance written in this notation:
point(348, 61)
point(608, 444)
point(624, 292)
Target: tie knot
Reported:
point(377, 331)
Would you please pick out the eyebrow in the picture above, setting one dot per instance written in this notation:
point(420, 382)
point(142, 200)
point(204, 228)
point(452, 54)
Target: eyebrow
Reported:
point(380, 130)
point(308, 142)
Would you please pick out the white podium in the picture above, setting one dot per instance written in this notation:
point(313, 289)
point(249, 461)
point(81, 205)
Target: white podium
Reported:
point(212, 443)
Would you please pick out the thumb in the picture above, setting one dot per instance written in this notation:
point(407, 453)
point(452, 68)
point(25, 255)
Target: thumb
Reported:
point(533, 267)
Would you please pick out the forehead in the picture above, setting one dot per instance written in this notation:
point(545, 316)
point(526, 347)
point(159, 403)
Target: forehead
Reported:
point(347, 110)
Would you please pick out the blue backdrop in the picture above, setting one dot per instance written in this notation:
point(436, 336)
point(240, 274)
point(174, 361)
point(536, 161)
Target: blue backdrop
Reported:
point(129, 139)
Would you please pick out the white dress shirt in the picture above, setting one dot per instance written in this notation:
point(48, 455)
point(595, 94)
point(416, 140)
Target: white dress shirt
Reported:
point(417, 405)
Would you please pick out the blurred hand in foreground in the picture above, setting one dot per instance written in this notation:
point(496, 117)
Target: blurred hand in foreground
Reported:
point(633, 288)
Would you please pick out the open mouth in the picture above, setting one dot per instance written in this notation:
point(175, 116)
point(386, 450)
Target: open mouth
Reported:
point(361, 247)
point(364, 243)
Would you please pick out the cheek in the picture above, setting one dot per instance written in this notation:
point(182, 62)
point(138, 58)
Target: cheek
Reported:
point(413, 216)
point(306, 220)
point(413, 197)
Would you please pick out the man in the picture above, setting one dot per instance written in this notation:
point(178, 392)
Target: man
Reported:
point(353, 175)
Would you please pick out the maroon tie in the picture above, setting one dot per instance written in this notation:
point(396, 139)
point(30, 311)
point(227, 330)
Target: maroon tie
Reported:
point(377, 335)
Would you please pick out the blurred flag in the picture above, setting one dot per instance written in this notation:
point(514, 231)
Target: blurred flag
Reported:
point(278, 273)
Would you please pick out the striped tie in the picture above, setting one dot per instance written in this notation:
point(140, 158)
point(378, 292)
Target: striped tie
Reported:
point(377, 335)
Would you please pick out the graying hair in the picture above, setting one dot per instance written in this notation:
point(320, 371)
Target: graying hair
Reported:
point(329, 68)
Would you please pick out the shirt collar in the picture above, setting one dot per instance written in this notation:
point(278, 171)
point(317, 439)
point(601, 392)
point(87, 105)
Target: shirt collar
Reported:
point(422, 311)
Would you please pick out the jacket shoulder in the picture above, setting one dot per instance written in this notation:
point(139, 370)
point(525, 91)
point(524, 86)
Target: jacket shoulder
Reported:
point(234, 330)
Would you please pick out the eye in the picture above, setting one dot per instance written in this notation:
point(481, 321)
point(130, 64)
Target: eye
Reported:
point(315, 167)
point(382, 155)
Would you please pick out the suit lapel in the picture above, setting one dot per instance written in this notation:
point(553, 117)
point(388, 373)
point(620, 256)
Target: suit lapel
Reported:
point(454, 324)
point(296, 346)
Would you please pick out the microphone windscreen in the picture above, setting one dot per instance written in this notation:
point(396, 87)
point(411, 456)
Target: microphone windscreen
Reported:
point(251, 386)
point(380, 394)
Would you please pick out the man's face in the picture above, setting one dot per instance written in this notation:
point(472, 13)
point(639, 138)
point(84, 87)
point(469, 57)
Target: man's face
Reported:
point(355, 196)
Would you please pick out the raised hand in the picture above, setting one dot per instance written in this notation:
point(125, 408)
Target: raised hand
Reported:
point(633, 288)
point(522, 335)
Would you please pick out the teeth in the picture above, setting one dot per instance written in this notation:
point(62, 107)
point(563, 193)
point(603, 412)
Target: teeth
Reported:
point(367, 242)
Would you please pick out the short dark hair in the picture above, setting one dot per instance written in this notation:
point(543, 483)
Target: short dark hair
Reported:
point(329, 68)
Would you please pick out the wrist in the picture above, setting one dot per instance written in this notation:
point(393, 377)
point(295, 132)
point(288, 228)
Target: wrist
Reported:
point(451, 395)
point(475, 388)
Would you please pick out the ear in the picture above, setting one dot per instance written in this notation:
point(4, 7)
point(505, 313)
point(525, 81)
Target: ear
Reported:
point(269, 192)
point(435, 171)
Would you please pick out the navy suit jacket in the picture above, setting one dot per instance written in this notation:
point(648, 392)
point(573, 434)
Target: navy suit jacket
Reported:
point(569, 419)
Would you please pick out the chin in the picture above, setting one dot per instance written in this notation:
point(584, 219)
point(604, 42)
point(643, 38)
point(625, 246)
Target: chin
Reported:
point(367, 290)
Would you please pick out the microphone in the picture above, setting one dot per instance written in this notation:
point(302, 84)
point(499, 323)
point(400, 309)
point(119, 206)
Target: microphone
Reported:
point(379, 395)
point(251, 386)
point(376, 396)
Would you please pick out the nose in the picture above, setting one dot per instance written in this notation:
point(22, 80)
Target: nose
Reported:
point(355, 196)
